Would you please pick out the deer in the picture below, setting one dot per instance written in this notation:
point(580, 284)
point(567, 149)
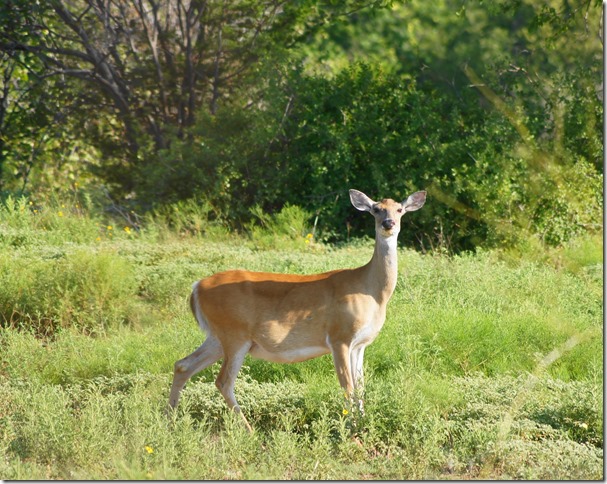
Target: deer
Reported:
point(288, 318)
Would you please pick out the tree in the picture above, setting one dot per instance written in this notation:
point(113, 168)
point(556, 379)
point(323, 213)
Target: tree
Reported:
point(491, 106)
point(521, 79)
point(148, 67)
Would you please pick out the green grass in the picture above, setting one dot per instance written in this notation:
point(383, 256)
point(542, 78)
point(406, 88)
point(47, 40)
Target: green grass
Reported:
point(488, 366)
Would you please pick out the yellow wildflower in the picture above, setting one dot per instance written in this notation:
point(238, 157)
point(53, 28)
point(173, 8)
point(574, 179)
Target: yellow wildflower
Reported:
point(345, 411)
point(148, 449)
point(60, 213)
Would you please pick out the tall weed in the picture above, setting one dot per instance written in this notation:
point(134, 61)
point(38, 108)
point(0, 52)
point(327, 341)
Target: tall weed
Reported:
point(90, 291)
point(288, 228)
point(187, 218)
point(24, 223)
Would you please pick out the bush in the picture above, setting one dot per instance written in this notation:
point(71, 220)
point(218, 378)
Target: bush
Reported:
point(24, 223)
point(191, 217)
point(494, 176)
point(518, 429)
point(90, 291)
point(288, 228)
point(264, 405)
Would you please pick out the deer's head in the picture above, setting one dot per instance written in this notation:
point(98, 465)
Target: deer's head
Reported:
point(387, 212)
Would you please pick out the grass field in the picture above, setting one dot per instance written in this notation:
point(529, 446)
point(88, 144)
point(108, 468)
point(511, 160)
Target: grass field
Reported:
point(489, 365)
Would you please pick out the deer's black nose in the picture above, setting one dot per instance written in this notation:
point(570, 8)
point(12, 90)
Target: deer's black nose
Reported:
point(388, 223)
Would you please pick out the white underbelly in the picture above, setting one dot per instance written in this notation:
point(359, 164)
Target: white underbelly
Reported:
point(288, 356)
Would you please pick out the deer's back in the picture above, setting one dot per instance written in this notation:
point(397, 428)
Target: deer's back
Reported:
point(286, 317)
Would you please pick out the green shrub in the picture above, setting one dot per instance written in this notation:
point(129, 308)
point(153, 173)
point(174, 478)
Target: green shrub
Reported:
point(264, 405)
point(90, 291)
point(187, 218)
point(494, 176)
point(287, 229)
point(516, 429)
point(416, 426)
point(24, 223)
point(550, 460)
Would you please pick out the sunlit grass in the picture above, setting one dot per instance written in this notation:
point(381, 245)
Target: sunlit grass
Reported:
point(86, 399)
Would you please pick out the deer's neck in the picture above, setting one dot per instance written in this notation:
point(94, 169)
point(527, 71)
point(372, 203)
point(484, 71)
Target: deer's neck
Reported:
point(383, 268)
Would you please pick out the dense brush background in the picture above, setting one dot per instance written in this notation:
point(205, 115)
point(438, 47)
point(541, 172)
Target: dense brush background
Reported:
point(147, 144)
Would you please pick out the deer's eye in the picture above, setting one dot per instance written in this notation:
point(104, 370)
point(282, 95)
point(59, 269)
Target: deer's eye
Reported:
point(399, 210)
point(375, 209)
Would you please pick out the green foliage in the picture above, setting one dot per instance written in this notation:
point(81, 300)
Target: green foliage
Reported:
point(492, 107)
point(122, 81)
point(512, 171)
point(24, 223)
point(88, 291)
point(187, 218)
point(267, 404)
point(496, 438)
point(287, 228)
point(386, 134)
point(490, 364)
point(114, 428)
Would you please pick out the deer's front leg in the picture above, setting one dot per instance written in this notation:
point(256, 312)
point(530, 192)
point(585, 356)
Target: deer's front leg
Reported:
point(356, 365)
point(341, 360)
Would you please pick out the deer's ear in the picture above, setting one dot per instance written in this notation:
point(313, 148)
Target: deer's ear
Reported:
point(361, 201)
point(414, 202)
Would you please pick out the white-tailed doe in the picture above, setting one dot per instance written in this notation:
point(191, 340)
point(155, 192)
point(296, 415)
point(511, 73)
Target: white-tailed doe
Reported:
point(286, 318)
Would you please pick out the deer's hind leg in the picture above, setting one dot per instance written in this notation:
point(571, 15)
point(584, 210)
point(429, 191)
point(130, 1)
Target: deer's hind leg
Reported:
point(233, 359)
point(205, 355)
